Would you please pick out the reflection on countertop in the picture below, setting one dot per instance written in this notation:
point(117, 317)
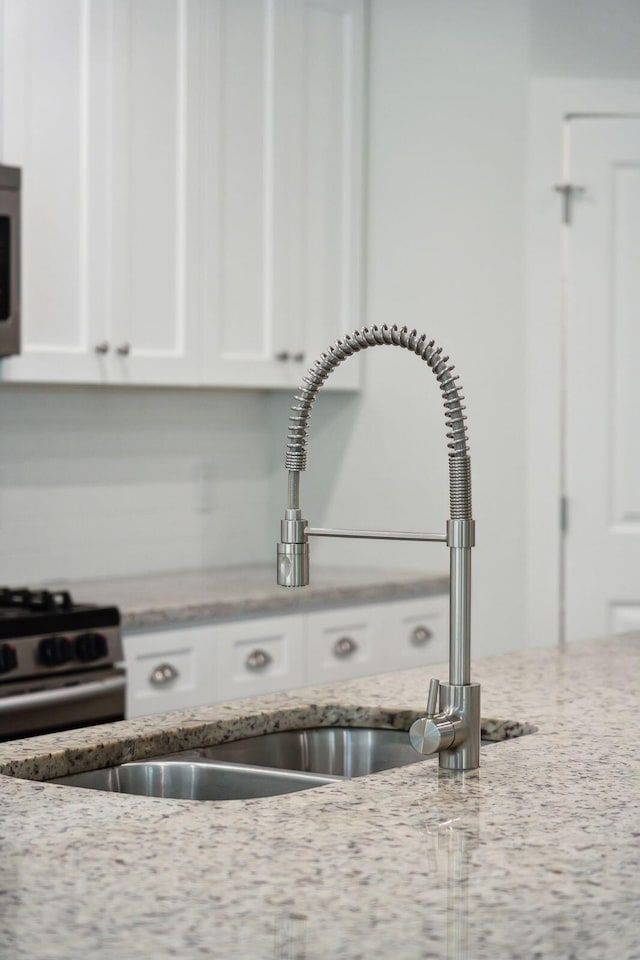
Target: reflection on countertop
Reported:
point(534, 855)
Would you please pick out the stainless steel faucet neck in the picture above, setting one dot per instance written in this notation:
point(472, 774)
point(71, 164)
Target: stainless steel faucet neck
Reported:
point(454, 732)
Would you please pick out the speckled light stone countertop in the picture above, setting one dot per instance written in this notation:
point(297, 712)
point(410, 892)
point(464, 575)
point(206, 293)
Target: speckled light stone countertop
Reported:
point(536, 855)
point(216, 593)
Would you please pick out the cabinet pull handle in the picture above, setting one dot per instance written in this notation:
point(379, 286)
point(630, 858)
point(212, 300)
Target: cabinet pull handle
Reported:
point(163, 673)
point(282, 356)
point(102, 347)
point(124, 349)
point(344, 647)
point(258, 660)
point(298, 357)
point(421, 635)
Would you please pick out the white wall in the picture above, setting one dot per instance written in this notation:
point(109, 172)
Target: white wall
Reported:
point(100, 482)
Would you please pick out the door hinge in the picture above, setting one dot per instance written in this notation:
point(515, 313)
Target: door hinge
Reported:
point(568, 191)
point(564, 514)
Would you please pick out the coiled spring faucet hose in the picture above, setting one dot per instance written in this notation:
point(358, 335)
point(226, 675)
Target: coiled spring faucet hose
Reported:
point(352, 343)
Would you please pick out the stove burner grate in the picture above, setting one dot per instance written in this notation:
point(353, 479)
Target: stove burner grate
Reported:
point(37, 601)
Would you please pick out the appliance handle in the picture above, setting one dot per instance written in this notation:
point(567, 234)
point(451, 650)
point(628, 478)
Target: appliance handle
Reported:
point(50, 698)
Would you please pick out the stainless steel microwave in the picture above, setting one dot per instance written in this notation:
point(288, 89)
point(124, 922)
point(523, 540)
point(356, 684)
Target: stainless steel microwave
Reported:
point(9, 261)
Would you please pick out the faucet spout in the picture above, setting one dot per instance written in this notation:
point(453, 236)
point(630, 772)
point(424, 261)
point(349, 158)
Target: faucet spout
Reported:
point(455, 732)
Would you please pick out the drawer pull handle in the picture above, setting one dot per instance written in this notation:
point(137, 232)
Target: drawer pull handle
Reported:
point(344, 647)
point(102, 347)
point(163, 673)
point(421, 635)
point(258, 660)
point(124, 349)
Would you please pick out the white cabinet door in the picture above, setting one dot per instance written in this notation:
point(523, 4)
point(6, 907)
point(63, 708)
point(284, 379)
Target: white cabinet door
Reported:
point(259, 656)
point(285, 89)
point(169, 670)
point(102, 112)
point(343, 643)
point(150, 205)
point(51, 87)
point(415, 633)
point(245, 226)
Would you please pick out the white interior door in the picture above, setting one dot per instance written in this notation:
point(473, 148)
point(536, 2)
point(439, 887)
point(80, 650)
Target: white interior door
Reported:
point(602, 547)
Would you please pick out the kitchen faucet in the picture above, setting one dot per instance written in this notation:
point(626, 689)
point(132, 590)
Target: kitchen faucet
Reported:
point(451, 729)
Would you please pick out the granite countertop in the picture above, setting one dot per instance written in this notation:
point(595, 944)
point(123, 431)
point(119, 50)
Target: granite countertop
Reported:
point(536, 855)
point(216, 593)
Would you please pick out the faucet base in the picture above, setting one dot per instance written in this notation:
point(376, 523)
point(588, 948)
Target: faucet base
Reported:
point(462, 700)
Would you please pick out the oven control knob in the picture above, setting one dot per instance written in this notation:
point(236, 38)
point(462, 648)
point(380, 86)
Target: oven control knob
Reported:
point(8, 657)
point(91, 646)
point(54, 651)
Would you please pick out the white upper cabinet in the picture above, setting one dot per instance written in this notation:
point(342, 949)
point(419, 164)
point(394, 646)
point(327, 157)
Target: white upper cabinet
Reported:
point(46, 79)
point(150, 212)
point(100, 112)
point(284, 211)
point(192, 187)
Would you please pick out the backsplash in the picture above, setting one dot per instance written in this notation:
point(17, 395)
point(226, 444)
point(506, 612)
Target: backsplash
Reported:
point(95, 482)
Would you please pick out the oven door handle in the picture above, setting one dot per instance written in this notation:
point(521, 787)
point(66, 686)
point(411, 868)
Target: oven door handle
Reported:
point(50, 698)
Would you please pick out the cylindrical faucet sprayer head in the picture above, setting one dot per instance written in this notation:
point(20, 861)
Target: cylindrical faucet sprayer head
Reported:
point(293, 551)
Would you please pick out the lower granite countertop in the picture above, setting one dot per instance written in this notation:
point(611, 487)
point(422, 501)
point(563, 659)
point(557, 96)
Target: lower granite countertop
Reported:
point(536, 855)
point(217, 593)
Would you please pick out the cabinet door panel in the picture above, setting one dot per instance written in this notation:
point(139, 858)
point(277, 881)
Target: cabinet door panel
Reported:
point(259, 656)
point(285, 90)
point(50, 77)
point(416, 632)
point(343, 643)
point(155, 53)
point(250, 92)
point(104, 118)
point(169, 670)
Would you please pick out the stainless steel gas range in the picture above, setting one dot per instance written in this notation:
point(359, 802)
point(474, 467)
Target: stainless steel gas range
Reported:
point(61, 663)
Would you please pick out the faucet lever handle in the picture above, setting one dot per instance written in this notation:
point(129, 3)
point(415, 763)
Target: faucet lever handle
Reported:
point(432, 697)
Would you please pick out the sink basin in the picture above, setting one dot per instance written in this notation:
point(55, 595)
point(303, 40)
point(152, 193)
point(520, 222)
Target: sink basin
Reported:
point(275, 763)
point(331, 751)
point(185, 779)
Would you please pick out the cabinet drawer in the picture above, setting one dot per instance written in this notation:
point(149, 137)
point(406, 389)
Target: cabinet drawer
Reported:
point(169, 670)
point(342, 643)
point(259, 656)
point(416, 633)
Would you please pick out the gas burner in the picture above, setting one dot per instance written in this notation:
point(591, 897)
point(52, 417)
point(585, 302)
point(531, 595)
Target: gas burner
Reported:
point(37, 601)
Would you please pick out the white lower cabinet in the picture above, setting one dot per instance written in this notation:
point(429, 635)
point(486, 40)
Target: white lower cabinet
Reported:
point(259, 656)
point(195, 665)
point(416, 632)
point(169, 670)
point(343, 643)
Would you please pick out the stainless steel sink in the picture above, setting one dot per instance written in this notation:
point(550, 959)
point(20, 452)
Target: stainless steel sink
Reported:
point(184, 779)
point(275, 763)
point(332, 751)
